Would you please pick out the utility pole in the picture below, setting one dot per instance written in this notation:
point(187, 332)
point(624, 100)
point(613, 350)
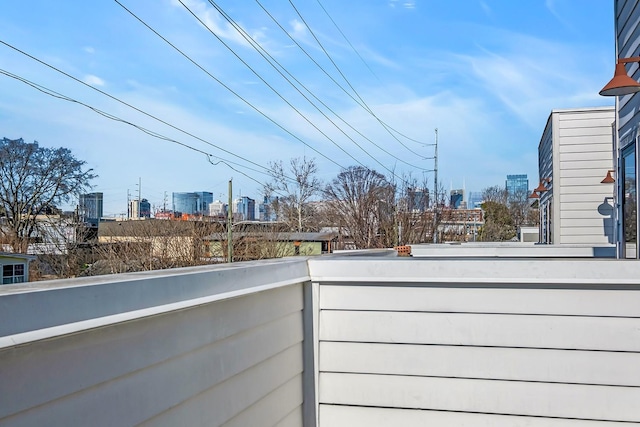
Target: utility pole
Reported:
point(230, 223)
point(128, 204)
point(435, 191)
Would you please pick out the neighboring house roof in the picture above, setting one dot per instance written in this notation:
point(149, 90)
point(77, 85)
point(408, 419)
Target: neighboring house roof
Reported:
point(23, 257)
point(283, 237)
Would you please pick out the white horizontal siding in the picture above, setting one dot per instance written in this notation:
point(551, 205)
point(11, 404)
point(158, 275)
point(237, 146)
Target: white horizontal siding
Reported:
point(602, 165)
point(287, 398)
point(133, 372)
point(542, 365)
point(594, 224)
point(570, 302)
point(599, 189)
point(225, 400)
point(588, 133)
point(501, 330)
point(584, 156)
point(585, 117)
point(586, 214)
point(395, 355)
point(579, 147)
point(483, 396)
point(583, 198)
point(587, 239)
point(582, 206)
point(594, 181)
point(358, 416)
point(583, 173)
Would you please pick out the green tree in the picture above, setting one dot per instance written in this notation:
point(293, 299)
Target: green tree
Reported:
point(498, 223)
point(32, 180)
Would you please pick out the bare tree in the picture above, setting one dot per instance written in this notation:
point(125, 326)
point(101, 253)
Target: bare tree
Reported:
point(362, 202)
point(496, 194)
point(151, 244)
point(292, 189)
point(32, 180)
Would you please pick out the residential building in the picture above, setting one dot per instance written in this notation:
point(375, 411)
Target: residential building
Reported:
point(626, 143)
point(15, 267)
point(517, 185)
point(573, 156)
point(252, 245)
point(195, 203)
point(462, 338)
point(90, 208)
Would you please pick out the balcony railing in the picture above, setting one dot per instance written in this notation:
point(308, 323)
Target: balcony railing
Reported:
point(328, 341)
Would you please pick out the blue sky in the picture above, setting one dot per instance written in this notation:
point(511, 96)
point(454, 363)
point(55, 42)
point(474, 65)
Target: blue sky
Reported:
point(486, 73)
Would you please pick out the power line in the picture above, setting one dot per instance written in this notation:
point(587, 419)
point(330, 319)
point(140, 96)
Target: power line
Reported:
point(271, 61)
point(272, 88)
point(228, 88)
point(149, 132)
point(269, 58)
point(129, 105)
point(345, 77)
point(368, 67)
point(346, 39)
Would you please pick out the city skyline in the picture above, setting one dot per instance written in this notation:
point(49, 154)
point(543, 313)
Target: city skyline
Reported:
point(486, 74)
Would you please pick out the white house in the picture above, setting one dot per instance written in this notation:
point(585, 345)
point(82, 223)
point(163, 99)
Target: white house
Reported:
point(15, 267)
point(574, 155)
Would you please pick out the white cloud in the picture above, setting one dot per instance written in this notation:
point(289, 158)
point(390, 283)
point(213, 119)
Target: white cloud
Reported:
point(299, 30)
point(486, 9)
point(92, 80)
point(217, 24)
point(89, 49)
point(552, 6)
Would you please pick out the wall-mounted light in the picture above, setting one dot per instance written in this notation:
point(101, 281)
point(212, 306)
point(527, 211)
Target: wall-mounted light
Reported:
point(621, 83)
point(534, 195)
point(609, 179)
point(541, 188)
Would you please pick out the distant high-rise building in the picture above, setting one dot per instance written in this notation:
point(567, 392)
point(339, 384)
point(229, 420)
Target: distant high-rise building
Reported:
point(417, 199)
point(474, 200)
point(90, 207)
point(139, 209)
point(196, 203)
point(217, 209)
point(517, 184)
point(457, 196)
point(266, 210)
point(244, 208)
point(144, 209)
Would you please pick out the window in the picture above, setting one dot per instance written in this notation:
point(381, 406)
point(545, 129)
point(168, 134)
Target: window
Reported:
point(12, 273)
point(629, 200)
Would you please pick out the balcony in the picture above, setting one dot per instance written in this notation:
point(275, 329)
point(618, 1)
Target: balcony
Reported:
point(365, 340)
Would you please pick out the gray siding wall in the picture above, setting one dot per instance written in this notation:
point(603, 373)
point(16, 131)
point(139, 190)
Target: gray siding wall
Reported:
point(231, 358)
point(628, 44)
point(454, 342)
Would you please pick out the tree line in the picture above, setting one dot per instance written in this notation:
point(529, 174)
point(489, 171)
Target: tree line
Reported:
point(366, 208)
